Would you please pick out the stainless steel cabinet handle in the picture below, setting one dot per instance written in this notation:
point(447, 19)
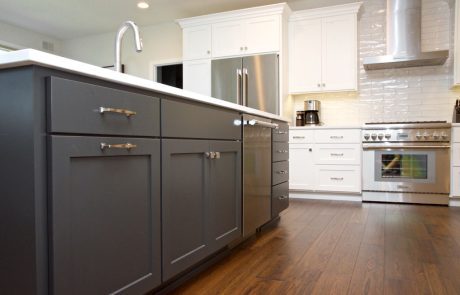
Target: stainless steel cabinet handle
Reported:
point(282, 172)
point(282, 151)
point(127, 113)
point(216, 155)
point(263, 124)
point(212, 155)
point(337, 178)
point(336, 137)
point(207, 155)
point(245, 86)
point(283, 132)
point(282, 197)
point(336, 155)
point(239, 76)
point(398, 147)
point(298, 137)
point(127, 146)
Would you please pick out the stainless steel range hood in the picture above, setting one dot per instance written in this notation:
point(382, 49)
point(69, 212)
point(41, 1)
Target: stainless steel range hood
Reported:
point(403, 39)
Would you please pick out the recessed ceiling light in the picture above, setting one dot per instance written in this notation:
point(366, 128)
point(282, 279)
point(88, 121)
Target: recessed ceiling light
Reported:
point(143, 5)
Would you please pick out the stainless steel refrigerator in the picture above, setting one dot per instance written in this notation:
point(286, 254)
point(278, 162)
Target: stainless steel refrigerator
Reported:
point(250, 81)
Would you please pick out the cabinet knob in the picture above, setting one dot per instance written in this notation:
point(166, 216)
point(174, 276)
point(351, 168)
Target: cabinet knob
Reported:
point(310, 150)
point(324, 84)
point(208, 52)
point(241, 48)
point(245, 48)
point(319, 85)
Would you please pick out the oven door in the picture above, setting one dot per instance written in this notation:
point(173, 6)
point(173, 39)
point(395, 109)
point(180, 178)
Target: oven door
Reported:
point(417, 169)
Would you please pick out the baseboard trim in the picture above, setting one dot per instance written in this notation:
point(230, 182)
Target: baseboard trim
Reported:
point(326, 196)
point(454, 203)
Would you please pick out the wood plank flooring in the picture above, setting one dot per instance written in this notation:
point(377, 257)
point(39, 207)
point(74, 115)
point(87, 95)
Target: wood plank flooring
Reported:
point(331, 247)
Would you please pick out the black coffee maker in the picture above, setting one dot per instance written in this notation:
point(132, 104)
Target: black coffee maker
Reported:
point(312, 108)
point(456, 115)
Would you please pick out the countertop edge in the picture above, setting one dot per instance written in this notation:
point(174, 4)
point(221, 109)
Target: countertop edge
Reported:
point(27, 57)
point(325, 127)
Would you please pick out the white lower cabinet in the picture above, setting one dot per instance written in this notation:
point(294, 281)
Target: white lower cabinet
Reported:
point(455, 163)
point(325, 167)
point(455, 183)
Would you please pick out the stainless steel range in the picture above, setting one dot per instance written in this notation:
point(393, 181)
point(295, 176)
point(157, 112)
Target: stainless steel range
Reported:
point(407, 162)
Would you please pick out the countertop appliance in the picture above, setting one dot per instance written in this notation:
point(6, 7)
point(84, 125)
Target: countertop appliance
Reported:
point(250, 81)
point(257, 161)
point(456, 115)
point(312, 108)
point(300, 118)
point(407, 162)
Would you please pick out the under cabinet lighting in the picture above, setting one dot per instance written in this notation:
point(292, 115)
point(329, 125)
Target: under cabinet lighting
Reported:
point(143, 5)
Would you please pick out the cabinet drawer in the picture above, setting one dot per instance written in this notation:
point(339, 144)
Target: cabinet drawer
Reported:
point(280, 198)
point(280, 151)
point(343, 154)
point(280, 172)
point(338, 178)
point(75, 107)
point(301, 136)
point(456, 134)
point(184, 120)
point(281, 133)
point(455, 183)
point(338, 136)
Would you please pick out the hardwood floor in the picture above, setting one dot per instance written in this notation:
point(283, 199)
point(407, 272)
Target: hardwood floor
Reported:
point(331, 247)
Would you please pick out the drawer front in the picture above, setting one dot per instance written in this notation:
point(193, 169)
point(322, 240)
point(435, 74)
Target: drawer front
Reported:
point(280, 198)
point(456, 155)
point(280, 151)
point(75, 107)
point(280, 172)
point(184, 120)
point(335, 154)
point(281, 134)
point(455, 134)
point(301, 136)
point(338, 136)
point(338, 178)
point(455, 183)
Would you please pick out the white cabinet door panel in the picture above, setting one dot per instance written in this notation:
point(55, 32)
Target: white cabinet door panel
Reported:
point(338, 154)
point(455, 184)
point(197, 42)
point(305, 56)
point(339, 53)
point(301, 167)
point(197, 76)
point(338, 178)
point(227, 38)
point(262, 34)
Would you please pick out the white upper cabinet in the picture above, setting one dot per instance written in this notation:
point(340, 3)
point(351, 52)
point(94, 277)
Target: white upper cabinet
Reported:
point(323, 48)
point(457, 45)
point(197, 42)
point(247, 36)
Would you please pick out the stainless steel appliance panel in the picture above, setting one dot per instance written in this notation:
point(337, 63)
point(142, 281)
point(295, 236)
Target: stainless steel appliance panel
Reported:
point(226, 79)
point(256, 174)
point(260, 82)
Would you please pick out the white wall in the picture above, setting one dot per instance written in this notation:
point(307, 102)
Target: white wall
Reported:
point(161, 42)
point(420, 93)
point(16, 37)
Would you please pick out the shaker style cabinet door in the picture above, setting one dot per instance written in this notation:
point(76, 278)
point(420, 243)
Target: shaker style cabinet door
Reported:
point(225, 194)
point(301, 167)
point(227, 38)
point(197, 76)
point(197, 42)
point(262, 34)
point(104, 215)
point(184, 204)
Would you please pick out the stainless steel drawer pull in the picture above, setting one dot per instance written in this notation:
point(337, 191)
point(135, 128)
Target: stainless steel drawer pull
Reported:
point(127, 113)
point(336, 137)
point(212, 155)
point(127, 146)
point(298, 137)
point(263, 124)
point(337, 178)
point(336, 155)
point(282, 172)
point(282, 151)
point(282, 197)
point(281, 132)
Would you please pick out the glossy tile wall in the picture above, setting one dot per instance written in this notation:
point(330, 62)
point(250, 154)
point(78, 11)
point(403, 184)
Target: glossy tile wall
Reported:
point(421, 93)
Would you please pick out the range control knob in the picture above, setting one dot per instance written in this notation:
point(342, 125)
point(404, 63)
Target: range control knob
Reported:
point(366, 136)
point(380, 136)
point(435, 136)
point(374, 136)
point(418, 136)
point(388, 136)
point(426, 135)
point(444, 135)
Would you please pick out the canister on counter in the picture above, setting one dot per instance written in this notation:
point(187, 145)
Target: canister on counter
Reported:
point(300, 118)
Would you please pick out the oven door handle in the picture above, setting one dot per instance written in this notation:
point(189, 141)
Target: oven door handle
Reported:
point(398, 147)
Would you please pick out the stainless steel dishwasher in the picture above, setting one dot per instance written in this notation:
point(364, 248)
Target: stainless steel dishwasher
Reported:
point(257, 172)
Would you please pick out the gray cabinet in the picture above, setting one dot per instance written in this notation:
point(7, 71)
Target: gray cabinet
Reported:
point(201, 200)
point(280, 168)
point(104, 215)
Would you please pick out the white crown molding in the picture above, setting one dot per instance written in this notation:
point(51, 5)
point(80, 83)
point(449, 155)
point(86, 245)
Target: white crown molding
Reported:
point(351, 8)
point(273, 9)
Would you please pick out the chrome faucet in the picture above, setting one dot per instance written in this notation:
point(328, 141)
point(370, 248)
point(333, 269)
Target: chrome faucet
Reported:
point(119, 37)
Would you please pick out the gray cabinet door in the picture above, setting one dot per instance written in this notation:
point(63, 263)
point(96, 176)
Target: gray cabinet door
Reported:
point(105, 216)
point(225, 194)
point(185, 171)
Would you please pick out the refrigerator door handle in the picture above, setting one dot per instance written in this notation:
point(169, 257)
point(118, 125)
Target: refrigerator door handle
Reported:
point(239, 76)
point(245, 87)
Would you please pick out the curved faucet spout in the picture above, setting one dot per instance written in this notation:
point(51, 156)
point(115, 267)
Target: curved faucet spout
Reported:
point(119, 37)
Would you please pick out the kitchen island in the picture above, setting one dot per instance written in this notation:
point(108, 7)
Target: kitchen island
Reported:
point(112, 183)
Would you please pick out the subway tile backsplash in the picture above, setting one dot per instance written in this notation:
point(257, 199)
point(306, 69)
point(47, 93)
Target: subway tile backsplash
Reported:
point(420, 93)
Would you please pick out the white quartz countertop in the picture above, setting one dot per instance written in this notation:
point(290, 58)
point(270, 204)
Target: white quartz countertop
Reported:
point(325, 127)
point(34, 57)
point(455, 124)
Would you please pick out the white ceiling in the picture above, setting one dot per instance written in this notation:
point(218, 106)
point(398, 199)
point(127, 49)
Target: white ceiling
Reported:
point(65, 19)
